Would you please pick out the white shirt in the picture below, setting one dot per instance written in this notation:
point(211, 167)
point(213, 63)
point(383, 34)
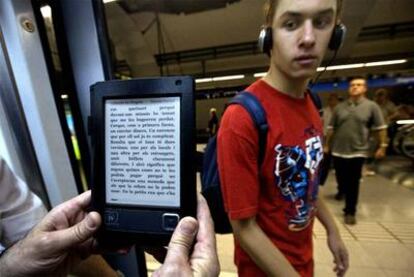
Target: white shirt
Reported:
point(20, 209)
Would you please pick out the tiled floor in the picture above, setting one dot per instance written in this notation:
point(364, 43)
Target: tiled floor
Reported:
point(380, 244)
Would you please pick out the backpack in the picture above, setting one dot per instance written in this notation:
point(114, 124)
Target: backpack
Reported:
point(210, 179)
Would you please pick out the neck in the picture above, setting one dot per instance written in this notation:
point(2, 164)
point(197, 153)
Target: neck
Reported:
point(286, 84)
point(356, 98)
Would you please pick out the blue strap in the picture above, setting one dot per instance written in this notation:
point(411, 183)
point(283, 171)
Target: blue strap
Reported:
point(258, 115)
point(316, 101)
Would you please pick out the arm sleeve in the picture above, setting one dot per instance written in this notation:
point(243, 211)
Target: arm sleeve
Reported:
point(237, 151)
point(377, 118)
point(20, 209)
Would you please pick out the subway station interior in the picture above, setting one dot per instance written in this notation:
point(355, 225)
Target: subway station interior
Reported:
point(52, 51)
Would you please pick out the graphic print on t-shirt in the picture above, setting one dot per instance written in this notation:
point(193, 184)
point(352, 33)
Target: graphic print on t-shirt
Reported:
point(296, 179)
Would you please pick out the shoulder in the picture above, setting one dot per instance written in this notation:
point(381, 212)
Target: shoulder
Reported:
point(372, 104)
point(237, 120)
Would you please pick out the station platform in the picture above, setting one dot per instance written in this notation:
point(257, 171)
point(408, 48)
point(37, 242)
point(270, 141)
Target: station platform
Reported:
point(381, 244)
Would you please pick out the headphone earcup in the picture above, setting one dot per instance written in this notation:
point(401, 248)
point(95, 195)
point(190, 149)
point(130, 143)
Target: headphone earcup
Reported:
point(338, 37)
point(265, 42)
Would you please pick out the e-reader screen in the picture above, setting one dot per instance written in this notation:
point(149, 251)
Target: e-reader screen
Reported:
point(142, 151)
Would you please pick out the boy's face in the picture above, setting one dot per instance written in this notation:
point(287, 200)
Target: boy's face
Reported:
point(301, 33)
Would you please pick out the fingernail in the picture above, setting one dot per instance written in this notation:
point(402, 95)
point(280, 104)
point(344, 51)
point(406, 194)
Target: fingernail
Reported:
point(90, 222)
point(188, 226)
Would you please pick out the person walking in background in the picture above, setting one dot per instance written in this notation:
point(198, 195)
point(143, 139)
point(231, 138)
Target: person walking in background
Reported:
point(213, 122)
point(388, 108)
point(326, 118)
point(389, 112)
point(347, 140)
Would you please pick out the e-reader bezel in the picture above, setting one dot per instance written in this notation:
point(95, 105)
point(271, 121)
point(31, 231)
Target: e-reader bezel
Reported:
point(182, 87)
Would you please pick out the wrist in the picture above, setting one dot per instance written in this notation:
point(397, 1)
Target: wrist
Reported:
point(6, 267)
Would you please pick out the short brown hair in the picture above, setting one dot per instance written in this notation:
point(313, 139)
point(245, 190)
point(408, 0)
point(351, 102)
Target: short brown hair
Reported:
point(270, 9)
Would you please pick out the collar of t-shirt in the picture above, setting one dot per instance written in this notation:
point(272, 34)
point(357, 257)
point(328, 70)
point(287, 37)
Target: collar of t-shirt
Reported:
point(356, 103)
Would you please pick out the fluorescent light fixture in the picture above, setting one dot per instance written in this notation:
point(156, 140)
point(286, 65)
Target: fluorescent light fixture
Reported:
point(108, 1)
point(345, 66)
point(259, 74)
point(221, 78)
point(359, 65)
point(329, 68)
point(230, 77)
point(386, 62)
point(46, 11)
point(405, 121)
point(64, 96)
point(204, 80)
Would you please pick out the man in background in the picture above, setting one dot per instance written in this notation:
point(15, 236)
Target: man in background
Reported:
point(347, 140)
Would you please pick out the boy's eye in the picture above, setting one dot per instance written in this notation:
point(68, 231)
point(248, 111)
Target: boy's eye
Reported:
point(290, 24)
point(321, 23)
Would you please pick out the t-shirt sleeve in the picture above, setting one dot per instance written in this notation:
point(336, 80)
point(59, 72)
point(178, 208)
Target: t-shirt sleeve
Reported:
point(237, 151)
point(20, 209)
point(378, 118)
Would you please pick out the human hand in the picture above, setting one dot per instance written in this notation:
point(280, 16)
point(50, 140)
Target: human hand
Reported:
point(203, 260)
point(380, 153)
point(340, 253)
point(57, 244)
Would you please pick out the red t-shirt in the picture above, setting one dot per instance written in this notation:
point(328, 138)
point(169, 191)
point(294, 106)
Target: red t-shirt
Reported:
point(283, 195)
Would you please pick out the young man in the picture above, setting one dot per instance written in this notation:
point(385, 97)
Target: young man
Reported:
point(271, 208)
point(348, 141)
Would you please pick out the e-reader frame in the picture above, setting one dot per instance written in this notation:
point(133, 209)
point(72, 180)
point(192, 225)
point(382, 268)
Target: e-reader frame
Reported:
point(143, 224)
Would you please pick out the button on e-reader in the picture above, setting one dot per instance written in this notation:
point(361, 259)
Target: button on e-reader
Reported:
point(111, 218)
point(170, 221)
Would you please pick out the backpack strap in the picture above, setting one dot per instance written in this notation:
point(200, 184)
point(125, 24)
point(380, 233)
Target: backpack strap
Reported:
point(258, 115)
point(316, 101)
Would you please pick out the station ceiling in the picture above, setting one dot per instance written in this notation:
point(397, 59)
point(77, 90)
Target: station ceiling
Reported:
point(217, 37)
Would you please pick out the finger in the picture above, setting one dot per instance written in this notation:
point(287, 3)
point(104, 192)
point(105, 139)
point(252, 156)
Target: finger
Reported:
point(205, 249)
point(341, 261)
point(77, 234)
point(68, 211)
point(206, 226)
point(181, 241)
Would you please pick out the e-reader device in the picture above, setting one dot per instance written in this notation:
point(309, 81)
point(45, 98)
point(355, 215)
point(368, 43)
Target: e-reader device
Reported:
point(143, 158)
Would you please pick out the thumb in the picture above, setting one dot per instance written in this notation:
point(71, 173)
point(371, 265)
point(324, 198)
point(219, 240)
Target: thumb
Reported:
point(80, 232)
point(181, 241)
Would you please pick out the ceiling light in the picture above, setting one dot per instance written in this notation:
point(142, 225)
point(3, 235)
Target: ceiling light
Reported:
point(359, 65)
point(405, 121)
point(108, 1)
point(345, 66)
point(64, 96)
point(386, 62)
point(259, 74)
point(230, 77)
point(220, 78)
point(204, 80)
point(46, 11)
